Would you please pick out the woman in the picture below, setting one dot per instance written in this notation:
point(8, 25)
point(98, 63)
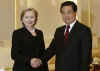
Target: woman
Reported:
point(28, 44)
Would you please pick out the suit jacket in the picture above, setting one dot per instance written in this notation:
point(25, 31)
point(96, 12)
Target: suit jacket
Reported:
point(75, 54)
point(24, 47)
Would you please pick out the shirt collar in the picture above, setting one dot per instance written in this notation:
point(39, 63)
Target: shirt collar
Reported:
point(33, 30)
point(72, 24)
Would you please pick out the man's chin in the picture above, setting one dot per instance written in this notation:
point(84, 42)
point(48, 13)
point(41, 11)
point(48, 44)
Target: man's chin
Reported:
point(67, 23)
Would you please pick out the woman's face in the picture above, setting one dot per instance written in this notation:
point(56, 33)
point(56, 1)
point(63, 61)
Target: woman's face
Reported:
point(29, 19)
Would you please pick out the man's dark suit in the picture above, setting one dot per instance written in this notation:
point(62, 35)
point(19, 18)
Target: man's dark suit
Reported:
point(75, 53)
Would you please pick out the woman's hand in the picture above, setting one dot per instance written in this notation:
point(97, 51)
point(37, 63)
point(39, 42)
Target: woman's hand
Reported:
point(35, 62)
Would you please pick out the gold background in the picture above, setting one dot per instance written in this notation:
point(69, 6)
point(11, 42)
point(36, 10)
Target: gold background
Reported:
point(49, 19)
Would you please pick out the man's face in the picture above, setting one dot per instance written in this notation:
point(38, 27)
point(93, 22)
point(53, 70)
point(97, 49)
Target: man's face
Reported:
point(68, 14)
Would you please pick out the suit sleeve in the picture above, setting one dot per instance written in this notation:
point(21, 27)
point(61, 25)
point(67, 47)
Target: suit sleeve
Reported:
point(16, 51)
point(86, 50)
point(51, 50)
point(42, 48)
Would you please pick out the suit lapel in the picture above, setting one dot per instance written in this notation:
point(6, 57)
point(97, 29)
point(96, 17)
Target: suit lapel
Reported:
point(62, 32)
point(72, 32)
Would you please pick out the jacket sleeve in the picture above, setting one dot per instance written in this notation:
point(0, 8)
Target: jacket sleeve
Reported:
point(51, 51)
point(42, 51)
point(16, 50)
point(86, 51)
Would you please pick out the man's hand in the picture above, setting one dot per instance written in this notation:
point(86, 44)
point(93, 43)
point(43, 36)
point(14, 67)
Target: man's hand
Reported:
point(35, 62)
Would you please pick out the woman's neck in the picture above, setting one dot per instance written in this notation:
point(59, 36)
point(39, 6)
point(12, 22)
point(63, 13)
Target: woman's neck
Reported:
point(29, 28)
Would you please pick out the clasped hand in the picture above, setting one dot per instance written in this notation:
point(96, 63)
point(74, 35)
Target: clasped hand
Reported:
point(35, 62)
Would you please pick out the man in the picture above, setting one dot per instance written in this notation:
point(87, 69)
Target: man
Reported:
point(72, 42)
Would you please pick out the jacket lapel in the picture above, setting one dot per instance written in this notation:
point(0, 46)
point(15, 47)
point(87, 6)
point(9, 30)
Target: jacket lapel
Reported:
point(62, 32)
point(72, 32)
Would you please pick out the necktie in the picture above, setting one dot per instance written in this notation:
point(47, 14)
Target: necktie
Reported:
point(67, 32)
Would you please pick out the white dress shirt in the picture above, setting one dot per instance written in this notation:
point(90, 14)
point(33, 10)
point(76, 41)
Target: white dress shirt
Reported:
point(71, 26)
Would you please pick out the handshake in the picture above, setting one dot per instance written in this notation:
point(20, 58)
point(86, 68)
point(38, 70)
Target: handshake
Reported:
point(35, 62)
